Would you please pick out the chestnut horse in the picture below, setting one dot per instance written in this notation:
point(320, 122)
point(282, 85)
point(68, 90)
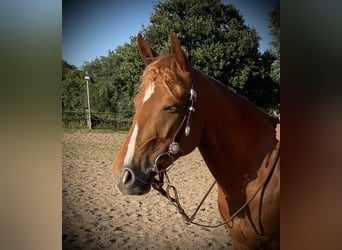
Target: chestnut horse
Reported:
point(178, 108)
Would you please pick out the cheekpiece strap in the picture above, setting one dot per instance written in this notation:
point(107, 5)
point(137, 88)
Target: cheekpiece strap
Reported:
point(193, 96)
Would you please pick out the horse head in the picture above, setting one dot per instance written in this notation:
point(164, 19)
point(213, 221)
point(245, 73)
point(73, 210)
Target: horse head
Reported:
point(164, 116)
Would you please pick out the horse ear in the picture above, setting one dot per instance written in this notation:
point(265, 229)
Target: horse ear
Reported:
point(177, 50)
point(146, 52)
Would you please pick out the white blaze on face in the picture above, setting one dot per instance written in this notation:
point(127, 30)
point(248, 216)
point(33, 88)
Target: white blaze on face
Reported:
point(148, 92)
point(131, 145)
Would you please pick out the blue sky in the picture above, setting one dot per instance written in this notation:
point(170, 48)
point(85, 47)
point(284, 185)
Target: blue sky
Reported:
point(91, 28)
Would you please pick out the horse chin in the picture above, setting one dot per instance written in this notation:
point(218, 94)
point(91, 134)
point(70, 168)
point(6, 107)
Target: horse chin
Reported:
point(133, 190)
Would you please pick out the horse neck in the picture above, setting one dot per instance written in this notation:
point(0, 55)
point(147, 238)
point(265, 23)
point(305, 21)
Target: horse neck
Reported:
point(236, 137)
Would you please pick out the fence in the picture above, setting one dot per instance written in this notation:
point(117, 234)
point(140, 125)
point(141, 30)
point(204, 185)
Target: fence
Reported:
point(76, 119)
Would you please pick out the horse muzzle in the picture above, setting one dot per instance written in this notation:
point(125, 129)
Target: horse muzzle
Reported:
point(134, 182)
point(138, 180)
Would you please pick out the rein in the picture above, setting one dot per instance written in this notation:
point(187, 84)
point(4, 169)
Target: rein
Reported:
point(175, 199)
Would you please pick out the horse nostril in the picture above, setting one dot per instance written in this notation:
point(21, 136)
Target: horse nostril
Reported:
point(126, 177)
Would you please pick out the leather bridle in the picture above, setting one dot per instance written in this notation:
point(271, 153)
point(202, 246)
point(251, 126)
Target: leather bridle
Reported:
point(174, 148)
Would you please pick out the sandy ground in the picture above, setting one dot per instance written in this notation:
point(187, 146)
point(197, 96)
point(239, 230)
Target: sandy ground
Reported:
point(96, 216)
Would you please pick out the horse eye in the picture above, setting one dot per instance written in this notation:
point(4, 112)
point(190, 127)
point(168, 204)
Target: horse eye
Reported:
point(171, 108)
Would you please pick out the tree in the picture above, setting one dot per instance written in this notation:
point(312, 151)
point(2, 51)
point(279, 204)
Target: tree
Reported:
point(260, 87)
point(116, 79)
point(128, 78)
point(217, 42)
point(66, 67)
point(73, 89)
point(212, 34)
point(274, 26)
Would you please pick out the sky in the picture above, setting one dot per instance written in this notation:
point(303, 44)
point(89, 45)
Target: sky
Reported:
point(90, 28)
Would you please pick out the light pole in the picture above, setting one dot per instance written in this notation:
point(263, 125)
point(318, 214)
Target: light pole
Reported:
point(87, 78)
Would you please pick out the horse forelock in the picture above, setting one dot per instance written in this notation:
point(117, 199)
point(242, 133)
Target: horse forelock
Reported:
point(164, 72)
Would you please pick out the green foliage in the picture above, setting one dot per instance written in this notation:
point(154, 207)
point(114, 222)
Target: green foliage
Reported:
point(275, 28)
point(128, 77)
point(213, 36)
point(73, 89)
point(275, 42)
point(217, 42)
point(116, 79)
